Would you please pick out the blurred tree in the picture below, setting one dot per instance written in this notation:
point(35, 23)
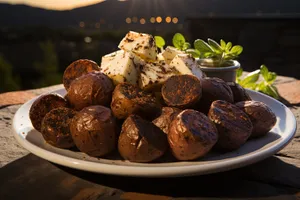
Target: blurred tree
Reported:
point(48, 66)
point(7, 80)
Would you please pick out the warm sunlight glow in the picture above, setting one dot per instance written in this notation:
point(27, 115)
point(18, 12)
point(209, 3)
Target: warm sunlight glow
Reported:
point(54, 4)
point(158, 19)
point(142, 21)
point(168, 19)
point(128, 20)
point(175, 20)
point(134, 19)
point(81, 24)
point(152, 20)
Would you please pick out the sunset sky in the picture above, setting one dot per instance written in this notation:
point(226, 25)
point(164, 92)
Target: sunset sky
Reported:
point(53, 4)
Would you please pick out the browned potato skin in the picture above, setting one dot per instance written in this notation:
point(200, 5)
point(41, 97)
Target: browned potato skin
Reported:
point(239, 93)
point(214, 89)
point(94, 88)
point(234, 126)
point(42, 105)
point(192, 135)
point(56, 127)
point(141, 141)
point(262, 117)
point(182, 91)
point(78, 68)
point(129, 99)
point(93, 130)
point(164, 120)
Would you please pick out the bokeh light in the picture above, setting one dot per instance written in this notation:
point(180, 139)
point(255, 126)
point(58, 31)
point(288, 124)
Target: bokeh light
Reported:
point(128, 20)
point(142, 21)
point(81, 24)
point(88, 39)
point(134, 19)
point(175, 20)
point(168, 19)
point(152, 20)
point(97, 25)
point(158, 19)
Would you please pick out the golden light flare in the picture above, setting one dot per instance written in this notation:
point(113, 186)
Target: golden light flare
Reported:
point(134, 19)
point(158, 19)
point(175, 20)
point(142, 21)
point(168, 19)
point(128, 20)
point(152, 20)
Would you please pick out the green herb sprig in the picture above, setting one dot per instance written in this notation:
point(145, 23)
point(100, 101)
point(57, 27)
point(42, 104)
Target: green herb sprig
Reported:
point(222, 52)
point(211, 49)
point(252, 81)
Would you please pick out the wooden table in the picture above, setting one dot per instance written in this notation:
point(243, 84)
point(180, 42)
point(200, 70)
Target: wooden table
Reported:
point(26, 176)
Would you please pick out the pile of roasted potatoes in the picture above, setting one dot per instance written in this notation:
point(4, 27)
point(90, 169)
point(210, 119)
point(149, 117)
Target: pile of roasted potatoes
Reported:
point(187, 116)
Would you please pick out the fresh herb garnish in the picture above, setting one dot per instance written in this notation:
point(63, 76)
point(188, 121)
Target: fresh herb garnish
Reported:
point(160, 42)
point(220, 53)
point(252, 81)
point(179, 42)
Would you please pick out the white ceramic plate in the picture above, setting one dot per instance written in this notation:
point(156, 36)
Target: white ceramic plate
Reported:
point(251, 152)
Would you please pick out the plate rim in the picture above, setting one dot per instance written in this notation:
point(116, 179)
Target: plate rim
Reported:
point(154, 171)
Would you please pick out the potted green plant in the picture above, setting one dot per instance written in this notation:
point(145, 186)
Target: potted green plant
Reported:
point(220, 60)
point(216, 60)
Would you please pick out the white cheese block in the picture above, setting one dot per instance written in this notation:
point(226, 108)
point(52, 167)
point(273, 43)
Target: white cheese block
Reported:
point(121, 66)
point(153, 75)
point(186, 64)
point(141, 44)
point(169, 53)
point(109, 57)
point(160, 57)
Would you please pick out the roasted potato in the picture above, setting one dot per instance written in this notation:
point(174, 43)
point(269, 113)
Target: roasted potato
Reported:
point(182, 91)
point(94, 131)
point(141, 140)
point(239, 93)
point(94, 88)
point(192, 135)
point(130, 99)
point(164, 120)
point(42, 105)
point(214, 89)
point(77, 69)
point(56, 127)
point(234, 126)
point(262, 117)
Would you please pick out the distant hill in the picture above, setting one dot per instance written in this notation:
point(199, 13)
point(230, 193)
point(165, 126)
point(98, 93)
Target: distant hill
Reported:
point(114, 11)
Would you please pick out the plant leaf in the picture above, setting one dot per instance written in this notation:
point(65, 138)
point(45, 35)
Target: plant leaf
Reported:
point(239, 72)
point(194, 52)
point(271, 91)
point(186, 46)
point(250, 78)
point(178, 41)
point(271, 77)
point(223, 44)
point(215, 46)
point(250, 85)
point(236, 50)
point(228, 46)
point(264, 71)
point(202, 46)
point(160, 42)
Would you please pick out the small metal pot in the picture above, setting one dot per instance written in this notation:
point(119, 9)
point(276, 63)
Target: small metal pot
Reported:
point(227, 72)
